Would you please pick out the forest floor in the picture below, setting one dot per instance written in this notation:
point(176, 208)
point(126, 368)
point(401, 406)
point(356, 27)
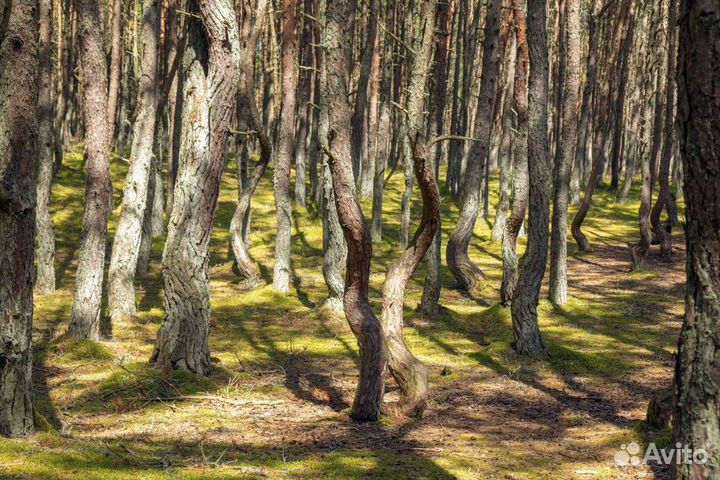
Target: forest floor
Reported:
point(276, 405)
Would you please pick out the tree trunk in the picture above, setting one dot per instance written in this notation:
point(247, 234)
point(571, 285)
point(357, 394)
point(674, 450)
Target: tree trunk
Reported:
point(409, 373)
point(286, 147)
point(697, 373)
point(466, 273)
point(525, 300)
point(367, 404)
point(248, 108)
point(213, 47)
point(520, 167)
point(85, 321)
point(665, 199)
point(126, 246)
point(565, 154)
point(45, 237)
point(115, 67)
point(18, 129)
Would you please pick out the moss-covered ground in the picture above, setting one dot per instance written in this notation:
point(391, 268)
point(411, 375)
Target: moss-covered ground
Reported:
point(276, 405)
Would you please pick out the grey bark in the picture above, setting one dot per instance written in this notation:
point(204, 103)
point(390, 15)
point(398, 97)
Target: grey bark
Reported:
point(466, 273)
point(211, 63)
point(126, 246)
point(85, 321)
point(565, 154)
point(697, 372)
point(285, 151)
point(45, 236)
point(525, 301)
point(18, 136)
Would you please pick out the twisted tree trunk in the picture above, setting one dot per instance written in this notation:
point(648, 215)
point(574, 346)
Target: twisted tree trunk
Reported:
point(466, 273)
point(248, 108)
point(211, 62)
point(18, 129)
point(368, 330)
point(520, 168)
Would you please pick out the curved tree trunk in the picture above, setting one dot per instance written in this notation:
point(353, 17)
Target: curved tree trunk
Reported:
point(697, 372)
point(286, 148)
point(525, 300)
point(520, 168)
point(85, 321)
point(45, 236)
point(565, 154)
point(466, 273)
point(213, 47)
point(665, 198)
point(18, 129)
point(409, 373)
point(248, 108)
point(126, 246)
point(367, 404)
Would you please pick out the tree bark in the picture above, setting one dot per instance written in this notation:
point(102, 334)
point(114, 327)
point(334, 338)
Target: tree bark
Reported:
point(126, 246)
point(248, 108)
point(665, 198)
point(525, 300)
point(368, 330)
point(115, 66)
point(520, 168)
point(286, 148)
point(213, 47)
point(565, 154)
point(466, 273)
point(18, 130)
point(85, 321)
point(697, 372)
point(45, 236)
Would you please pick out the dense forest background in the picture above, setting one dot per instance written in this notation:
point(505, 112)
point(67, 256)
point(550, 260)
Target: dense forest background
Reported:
point(357, 238)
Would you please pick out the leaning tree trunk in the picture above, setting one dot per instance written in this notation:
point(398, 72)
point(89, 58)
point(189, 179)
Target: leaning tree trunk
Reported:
point(213, 47)
point(565, 154)
point(85, 321)
point(697, 373)
point(18, 130)
point(520, 168)
point(466, 273)
point(129, 233)
point(525, 300)
point(368, 330)
point(286, 147)
point(45, 238)
point(248, 108)
point(411, 375)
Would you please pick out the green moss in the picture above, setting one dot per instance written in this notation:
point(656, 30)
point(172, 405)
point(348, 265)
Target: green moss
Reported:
point(78, 350)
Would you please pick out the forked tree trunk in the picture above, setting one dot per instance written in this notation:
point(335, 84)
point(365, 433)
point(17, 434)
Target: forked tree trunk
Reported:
point(18, 129)
point(286, 147)
point(45, 237)
point(697, 373)
point(367, 404)
point(211, 63)
point(565, 154)
point(129, 233)
point(525, 300)
point(466, 273)
point(85, 321)
point(248, 108)
point(520, 168)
